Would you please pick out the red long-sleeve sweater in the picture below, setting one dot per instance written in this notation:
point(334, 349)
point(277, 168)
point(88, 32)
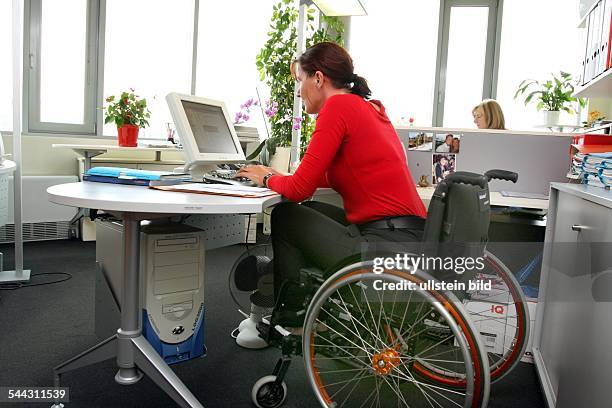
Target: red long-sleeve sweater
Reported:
point(355, 150)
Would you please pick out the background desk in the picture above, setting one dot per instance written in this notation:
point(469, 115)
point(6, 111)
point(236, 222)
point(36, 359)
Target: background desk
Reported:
point(496, 199)
point(90, 151)
point(133, 204)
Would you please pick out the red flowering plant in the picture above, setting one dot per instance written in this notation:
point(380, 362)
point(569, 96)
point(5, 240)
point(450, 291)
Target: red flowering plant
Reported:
point(127, 109)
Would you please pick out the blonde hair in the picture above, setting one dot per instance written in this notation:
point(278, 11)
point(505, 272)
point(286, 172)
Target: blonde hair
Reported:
point(493, 114)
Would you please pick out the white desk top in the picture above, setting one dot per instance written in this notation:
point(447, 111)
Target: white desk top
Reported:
point(7, 166)
point(138, 199)
point(496, 199)
point(109, 147)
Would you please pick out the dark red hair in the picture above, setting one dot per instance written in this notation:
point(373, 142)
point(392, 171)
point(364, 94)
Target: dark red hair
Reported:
point(336, 64)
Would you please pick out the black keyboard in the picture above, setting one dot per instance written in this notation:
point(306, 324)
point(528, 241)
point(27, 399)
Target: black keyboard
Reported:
point(227, 176)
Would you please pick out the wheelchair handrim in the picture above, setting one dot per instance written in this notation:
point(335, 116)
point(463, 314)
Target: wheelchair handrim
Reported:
point(507, 364)
point(476, 388)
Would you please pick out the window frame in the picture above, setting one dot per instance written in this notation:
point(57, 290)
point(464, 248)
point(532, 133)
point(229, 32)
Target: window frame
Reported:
point(31, 73)
point(489, 88)
point(94, 65)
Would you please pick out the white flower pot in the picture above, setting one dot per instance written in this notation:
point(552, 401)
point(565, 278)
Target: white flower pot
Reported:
point(280, 160)
point(551, 118)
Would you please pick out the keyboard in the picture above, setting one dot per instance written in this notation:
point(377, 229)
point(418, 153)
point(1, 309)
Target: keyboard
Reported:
point(226, 176)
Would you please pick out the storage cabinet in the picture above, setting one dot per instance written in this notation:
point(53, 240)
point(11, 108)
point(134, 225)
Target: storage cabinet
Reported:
point(574, 321)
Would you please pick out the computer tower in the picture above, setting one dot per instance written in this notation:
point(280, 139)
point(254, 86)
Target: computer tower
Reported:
point(172, 282)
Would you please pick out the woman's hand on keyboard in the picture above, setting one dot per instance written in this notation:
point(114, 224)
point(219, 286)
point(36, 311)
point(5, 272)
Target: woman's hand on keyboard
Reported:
point(255, 173)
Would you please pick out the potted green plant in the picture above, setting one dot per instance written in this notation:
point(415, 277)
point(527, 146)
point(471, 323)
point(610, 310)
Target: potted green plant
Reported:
point(129, 114)
point(552, 95)
point(273, 63)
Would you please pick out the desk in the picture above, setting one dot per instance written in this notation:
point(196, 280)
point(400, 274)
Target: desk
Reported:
point(90, 151)
point(133, 204)
point(573, 328)
point(496, 199)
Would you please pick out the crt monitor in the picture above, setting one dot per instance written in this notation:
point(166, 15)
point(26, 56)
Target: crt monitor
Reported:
point(205, 129)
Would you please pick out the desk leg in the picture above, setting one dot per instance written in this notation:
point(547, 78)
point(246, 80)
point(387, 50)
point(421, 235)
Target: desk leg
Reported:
point(133, 351)
point(128, 374)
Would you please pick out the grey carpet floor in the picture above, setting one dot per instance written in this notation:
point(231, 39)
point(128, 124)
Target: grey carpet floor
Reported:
point(42, 326)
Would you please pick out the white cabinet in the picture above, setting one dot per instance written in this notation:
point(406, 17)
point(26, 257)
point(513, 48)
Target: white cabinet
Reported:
point(571, 347)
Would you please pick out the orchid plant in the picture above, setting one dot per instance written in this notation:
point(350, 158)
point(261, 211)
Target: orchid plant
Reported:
point(273, 63)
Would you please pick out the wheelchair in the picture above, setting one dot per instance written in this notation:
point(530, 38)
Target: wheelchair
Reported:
point(401, 337)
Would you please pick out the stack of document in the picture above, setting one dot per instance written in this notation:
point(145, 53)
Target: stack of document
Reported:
point(597, 169)
point(247, 134)
point(577, 161)
point(122, 175)
point(220, 189)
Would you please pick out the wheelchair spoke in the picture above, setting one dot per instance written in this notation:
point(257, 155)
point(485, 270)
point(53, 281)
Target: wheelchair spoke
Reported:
point(342, 348)
point(344, 381)
point(353, 320)
point(338, 371)
point(377, 388)
point(356, 378)
point(344, 337)
point(350, 392)
point(370, 309)
point(432, 359)
point(397, 393)
point(437, 344)
point(435, 389)
point(370, 395)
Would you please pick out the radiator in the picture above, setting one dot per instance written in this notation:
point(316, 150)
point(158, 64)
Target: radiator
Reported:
point(42, 220)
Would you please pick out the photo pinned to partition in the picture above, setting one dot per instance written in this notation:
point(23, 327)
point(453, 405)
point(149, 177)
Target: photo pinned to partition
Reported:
point(420, 141)
point(442, 166)
point(448, 142)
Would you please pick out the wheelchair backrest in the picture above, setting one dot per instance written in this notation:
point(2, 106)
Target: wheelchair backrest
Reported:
point(458, 216)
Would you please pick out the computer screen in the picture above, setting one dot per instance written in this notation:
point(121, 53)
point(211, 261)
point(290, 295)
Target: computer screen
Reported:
point(205, 129)
point(209, 127)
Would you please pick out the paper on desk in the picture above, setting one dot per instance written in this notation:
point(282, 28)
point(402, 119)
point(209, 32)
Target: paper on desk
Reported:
point(219, 189)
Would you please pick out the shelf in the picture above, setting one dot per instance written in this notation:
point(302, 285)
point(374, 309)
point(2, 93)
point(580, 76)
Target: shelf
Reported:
point(600, 87)
point(597, 128)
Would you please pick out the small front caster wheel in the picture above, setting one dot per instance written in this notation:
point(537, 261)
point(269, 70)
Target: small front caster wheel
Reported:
point(267, 394)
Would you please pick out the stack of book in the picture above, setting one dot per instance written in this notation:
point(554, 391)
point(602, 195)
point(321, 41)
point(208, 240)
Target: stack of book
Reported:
point(122, 175)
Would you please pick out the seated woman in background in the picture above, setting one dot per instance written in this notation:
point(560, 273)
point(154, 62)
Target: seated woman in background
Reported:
point(488, 115)
point(355, 150)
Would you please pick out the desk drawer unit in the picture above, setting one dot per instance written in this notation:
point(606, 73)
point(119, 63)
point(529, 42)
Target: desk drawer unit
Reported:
point(574, 321)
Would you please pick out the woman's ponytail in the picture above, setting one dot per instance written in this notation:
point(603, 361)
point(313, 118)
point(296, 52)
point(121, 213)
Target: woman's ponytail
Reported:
point(360, 87)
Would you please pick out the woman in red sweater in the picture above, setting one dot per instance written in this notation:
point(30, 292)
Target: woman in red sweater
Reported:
point(354, 150)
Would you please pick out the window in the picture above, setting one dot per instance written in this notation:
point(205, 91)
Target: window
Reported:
point(532, 49)
point(148, 47)
point(62, 65)
point(227, 48)
point(394, 48)
point(466, 60)
point(6, 67)
point(465, 66)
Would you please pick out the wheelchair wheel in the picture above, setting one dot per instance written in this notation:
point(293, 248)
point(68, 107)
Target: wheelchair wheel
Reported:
point(501, 317)
point(364, 341)
point(266, 393)
point(504, 310)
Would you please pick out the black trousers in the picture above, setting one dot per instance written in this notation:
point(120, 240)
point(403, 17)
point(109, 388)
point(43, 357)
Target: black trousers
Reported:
point(316, 234)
